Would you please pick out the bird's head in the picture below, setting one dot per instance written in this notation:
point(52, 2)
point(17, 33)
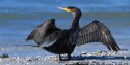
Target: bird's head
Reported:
point(72, 9)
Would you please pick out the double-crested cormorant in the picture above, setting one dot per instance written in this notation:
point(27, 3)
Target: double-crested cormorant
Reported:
point(62, 41)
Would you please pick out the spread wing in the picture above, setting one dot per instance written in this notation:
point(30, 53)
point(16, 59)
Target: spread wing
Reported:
point(96, 32)
point(46, 32)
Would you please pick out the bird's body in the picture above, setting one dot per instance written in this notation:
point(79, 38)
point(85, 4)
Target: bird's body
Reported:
point(65, 40)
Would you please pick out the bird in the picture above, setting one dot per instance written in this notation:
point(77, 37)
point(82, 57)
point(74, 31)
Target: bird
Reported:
point(60, 41)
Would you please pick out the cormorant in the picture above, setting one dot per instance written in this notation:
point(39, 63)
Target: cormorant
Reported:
point(62, 41)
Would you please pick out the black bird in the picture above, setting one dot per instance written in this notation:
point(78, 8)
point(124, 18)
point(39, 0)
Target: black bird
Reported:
point(62, 41)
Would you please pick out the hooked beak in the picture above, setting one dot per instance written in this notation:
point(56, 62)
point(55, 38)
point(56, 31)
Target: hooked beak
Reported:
point(64, 8)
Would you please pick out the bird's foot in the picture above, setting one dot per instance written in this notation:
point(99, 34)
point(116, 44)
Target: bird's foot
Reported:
point(60, 59)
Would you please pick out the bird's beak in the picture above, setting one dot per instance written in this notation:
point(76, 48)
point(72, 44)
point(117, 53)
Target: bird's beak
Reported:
point(64, 8)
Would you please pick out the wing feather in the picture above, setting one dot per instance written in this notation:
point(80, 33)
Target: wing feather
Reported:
point(31, 35)
point(46, 32)
point(96, 32)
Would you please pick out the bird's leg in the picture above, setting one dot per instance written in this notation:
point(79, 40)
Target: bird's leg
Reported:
point(60, 57)
point(69, 56)
point(38, 44)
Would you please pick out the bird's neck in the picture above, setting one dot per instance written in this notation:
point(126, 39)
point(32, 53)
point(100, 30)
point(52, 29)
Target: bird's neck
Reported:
point(75, 23)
